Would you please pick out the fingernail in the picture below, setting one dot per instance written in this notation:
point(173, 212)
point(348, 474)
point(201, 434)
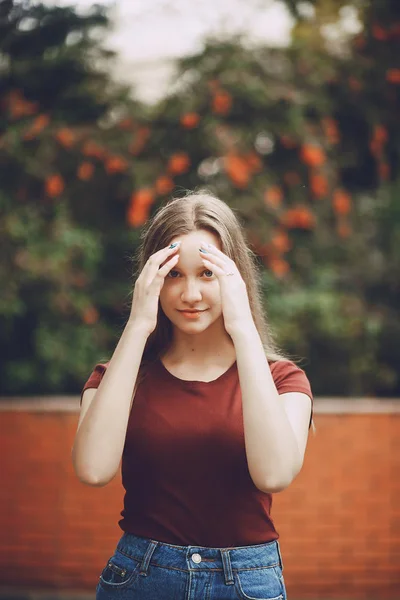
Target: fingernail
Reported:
point(173, 245)
point(205, 251)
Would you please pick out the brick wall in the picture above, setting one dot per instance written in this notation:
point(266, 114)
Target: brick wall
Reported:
point(338, 521)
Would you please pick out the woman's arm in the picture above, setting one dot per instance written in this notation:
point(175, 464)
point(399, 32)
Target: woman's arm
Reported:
point(100, 437)
point(275, 442)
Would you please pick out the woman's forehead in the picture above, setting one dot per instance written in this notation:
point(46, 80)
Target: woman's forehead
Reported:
point(195, 238)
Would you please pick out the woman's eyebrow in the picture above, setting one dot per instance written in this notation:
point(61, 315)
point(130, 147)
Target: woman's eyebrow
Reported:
point(176, 268)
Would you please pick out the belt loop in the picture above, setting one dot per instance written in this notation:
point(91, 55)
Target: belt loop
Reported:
point(279, 554)
point(226, 563)
point(147, 557)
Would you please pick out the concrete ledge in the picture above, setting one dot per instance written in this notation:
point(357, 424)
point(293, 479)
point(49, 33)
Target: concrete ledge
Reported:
point(343, 405)
point(335, 405)
point(27, 594)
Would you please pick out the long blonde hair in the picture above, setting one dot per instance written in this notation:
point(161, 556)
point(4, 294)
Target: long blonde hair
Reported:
point(193, 212)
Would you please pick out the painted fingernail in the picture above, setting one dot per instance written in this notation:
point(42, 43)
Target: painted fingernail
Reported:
point(205, 251)
point(173, 245)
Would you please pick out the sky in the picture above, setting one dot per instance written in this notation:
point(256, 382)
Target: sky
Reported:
point(149, 34)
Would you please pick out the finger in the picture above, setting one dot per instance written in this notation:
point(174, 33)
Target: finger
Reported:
point(168, 250)
point(214, 251)
point(210, 247)
point(159, 274)
point(164, 252)
point(215, 259)
point(168, 265)
point(213, 267)
point(158, 259)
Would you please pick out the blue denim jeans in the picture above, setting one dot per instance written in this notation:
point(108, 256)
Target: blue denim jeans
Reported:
point(146, 569)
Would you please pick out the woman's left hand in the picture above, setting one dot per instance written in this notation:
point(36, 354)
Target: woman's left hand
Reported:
point(235, 301)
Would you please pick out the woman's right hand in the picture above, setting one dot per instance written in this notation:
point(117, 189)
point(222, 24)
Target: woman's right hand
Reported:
point(148, 286)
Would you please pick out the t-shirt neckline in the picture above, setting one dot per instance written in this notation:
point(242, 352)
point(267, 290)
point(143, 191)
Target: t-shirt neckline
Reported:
point(195, 382)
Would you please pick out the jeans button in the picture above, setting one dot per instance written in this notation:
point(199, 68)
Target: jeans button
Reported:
point(196, 558)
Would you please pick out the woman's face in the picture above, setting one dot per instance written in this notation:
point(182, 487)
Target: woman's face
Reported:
point(191, 285)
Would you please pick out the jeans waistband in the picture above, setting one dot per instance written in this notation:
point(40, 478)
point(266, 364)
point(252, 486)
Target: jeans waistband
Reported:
point(195, 558)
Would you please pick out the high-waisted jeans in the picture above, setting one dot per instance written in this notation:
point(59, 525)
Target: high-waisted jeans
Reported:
point(146, 569)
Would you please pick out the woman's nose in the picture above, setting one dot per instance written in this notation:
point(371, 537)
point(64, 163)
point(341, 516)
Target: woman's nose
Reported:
point(191, 290)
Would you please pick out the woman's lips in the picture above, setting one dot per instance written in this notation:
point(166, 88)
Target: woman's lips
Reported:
point(191, 315)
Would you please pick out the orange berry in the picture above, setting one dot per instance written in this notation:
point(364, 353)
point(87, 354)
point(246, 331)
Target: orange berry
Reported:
point(341, 202)
point(288, 142)
point(331, 129)
point(279, 266)
point(54, 185)
point(393, 75)
point(375, 147)
point(19, 106)
point(38, 124)
point(164, 185)
point(190, 120)
point(312, 155)
point(91, 148)
point(139, 207)
point(41, 121)
point(125, 124)
point(299, 217)
point(281, 241)
point(236, 167)
point(273, 196)
point(319, 185)
point(139, 140)
point(115, 164)
point(90, 315)
point(292, 178)
point(254, 162)
point(66, 137)
point(178, 163)
point(222, 102)
point(343, 229)
point(379, 32)
point(384, 170)
point(380, 133)
point(379, 137)
point(85, 170)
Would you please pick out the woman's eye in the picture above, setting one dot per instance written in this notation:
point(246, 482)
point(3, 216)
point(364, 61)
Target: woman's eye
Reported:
point(206, 271)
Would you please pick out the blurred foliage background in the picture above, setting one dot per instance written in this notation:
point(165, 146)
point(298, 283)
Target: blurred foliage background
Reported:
point(302, 141)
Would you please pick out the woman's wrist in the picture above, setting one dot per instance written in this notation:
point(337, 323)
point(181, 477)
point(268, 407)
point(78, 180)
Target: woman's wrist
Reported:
point(135, 326)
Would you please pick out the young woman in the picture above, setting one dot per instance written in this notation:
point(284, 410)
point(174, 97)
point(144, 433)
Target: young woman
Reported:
point(209, 418)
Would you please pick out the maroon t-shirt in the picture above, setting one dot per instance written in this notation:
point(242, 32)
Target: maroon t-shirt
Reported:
point(184, 466)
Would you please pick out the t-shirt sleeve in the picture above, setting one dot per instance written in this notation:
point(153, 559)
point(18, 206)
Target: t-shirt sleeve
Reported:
point(95, 377)
point(288, 377)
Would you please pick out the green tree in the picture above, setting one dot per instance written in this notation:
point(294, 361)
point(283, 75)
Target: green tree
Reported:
point(65, 183)
point(303, 142)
